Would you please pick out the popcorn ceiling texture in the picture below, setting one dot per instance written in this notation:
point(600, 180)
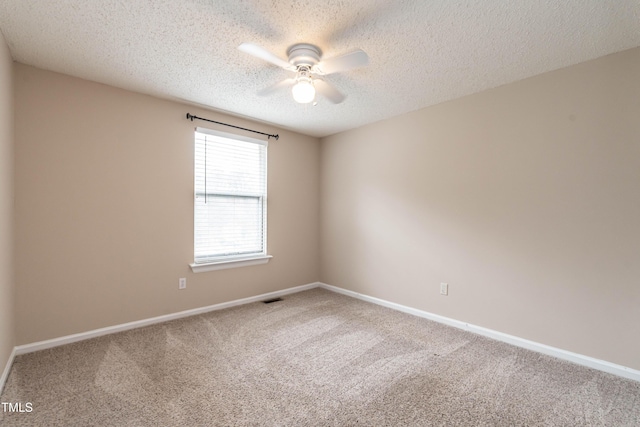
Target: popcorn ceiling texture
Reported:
point(315, 359)
point(422, 52)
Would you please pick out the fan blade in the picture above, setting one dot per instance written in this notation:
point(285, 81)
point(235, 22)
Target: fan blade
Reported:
point(262, 53)
point(328, 91)
point(269, 90)
point(348, 61)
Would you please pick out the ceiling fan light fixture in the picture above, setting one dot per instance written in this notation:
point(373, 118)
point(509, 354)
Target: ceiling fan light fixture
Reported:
point(306, 61)
point(303, 91)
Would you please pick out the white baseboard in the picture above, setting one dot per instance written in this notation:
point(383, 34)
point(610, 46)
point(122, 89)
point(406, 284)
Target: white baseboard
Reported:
point(579, 359)
point(7, 368)
point(601, 365)
point(68, 339)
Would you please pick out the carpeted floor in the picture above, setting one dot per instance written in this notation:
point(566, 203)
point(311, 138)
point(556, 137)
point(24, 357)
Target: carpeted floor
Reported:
point(314, 359)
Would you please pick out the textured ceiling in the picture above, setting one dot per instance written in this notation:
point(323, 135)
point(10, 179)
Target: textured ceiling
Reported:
point(421, 52)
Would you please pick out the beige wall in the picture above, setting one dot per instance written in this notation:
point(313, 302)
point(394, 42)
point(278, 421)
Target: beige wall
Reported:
point(6, 204)
point(104, 209)
point(525, 199)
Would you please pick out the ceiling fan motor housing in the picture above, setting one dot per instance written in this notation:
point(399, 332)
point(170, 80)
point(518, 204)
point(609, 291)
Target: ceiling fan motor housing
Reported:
point(304, 54)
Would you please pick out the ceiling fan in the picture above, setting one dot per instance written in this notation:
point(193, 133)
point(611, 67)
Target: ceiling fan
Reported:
point(306, 61)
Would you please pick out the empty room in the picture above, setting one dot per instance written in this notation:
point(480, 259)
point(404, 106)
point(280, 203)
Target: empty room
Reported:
point(372, 213)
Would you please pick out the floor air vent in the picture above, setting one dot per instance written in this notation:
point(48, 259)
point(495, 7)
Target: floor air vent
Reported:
point(269, 301)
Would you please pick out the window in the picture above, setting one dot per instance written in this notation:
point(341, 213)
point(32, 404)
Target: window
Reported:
point(230, 200)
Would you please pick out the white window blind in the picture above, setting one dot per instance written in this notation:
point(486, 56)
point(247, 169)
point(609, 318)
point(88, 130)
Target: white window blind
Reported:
point(230, 196)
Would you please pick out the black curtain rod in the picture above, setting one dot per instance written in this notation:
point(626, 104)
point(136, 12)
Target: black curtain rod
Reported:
point(191, 117)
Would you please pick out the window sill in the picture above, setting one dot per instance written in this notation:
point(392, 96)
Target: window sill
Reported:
point(231, 263)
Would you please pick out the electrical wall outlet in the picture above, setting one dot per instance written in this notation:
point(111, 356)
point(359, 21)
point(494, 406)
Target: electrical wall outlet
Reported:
point(182, 283)
point(444, 289)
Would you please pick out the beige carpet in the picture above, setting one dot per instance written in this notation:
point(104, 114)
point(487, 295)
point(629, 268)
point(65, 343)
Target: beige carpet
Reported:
point(314, 359)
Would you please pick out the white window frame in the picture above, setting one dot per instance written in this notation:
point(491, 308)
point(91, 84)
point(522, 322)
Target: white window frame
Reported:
point(223, 262)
